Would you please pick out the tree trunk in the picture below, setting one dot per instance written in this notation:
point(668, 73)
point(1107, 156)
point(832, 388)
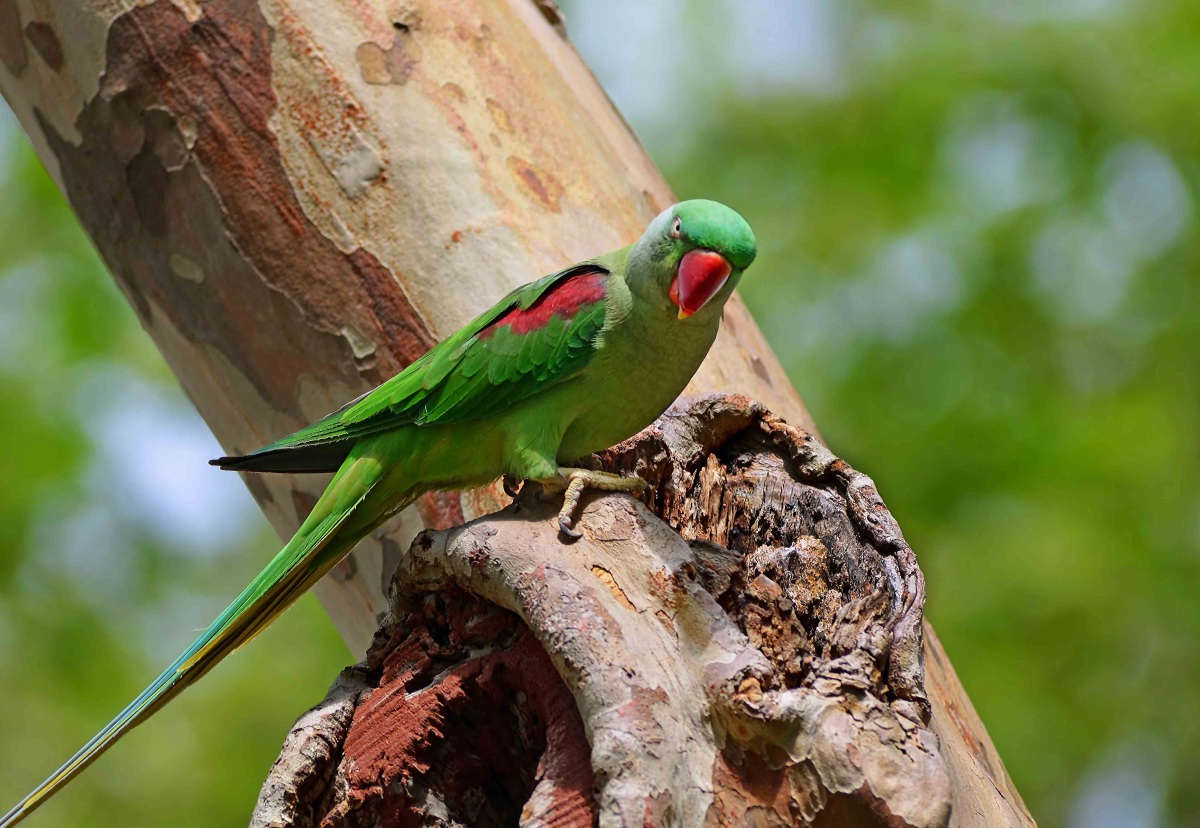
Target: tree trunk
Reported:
point(299, 198)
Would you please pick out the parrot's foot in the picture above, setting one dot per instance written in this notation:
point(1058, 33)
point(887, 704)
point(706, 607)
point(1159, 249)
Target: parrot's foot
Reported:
point(574, 481)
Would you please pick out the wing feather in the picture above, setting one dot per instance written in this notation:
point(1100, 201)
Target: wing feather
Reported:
point(539, 335)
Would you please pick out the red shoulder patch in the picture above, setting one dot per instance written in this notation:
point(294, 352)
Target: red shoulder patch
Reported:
point(563, 299)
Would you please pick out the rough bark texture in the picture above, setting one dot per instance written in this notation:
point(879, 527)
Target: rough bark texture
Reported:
point(743, 649)
point(298, 197)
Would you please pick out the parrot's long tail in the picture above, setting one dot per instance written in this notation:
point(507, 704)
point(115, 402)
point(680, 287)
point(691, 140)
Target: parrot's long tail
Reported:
point(328, 534)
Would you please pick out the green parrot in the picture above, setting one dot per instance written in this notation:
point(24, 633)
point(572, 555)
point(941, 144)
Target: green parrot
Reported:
point(560, 368)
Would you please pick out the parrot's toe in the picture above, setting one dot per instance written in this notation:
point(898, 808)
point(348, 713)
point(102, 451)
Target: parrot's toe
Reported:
point(564, 526)
point(572, 482)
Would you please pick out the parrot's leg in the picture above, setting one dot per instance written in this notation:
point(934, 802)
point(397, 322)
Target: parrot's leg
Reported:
point(574, 481)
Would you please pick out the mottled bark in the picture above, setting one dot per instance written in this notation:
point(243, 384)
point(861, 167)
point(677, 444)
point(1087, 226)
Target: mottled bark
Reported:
point(299, 197)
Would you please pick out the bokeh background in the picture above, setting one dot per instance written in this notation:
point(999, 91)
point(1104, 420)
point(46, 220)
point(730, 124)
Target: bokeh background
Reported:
point(980, 267)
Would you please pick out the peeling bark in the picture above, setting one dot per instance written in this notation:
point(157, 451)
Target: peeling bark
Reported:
point(745, 648)
point(299, 197)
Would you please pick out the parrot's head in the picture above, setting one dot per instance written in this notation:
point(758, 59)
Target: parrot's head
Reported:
point(691, 257)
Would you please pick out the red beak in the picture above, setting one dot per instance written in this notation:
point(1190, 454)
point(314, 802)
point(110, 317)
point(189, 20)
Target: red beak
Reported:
point(701, 275)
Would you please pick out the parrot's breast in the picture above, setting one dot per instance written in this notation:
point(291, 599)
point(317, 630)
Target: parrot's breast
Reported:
point(634, 378)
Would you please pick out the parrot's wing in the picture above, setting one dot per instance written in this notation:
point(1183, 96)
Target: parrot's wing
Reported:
point(539, 335)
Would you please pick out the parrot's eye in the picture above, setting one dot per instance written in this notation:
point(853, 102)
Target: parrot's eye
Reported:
point(677, 229)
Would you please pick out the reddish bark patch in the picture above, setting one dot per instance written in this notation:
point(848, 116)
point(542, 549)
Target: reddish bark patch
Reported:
point(45, 41)
point(564, 299)
point(973, 743)
point(441, 510)
point(178, 158)
point(539, 184)
point(469, 716)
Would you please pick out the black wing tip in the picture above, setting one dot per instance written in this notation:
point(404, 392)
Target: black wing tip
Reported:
point(291, 460)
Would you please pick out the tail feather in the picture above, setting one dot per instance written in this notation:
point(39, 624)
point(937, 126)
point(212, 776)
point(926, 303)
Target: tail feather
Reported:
point(306, 558)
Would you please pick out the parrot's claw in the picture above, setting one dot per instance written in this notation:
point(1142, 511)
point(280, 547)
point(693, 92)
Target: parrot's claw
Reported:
point(512, 485)
point(577, 480)
point(564, 526)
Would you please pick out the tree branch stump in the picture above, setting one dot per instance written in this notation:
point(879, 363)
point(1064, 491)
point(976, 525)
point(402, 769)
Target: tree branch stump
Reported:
point(744, 648)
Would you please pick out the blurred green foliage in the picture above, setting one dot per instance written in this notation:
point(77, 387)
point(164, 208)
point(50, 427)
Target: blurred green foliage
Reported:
point(980, 267)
